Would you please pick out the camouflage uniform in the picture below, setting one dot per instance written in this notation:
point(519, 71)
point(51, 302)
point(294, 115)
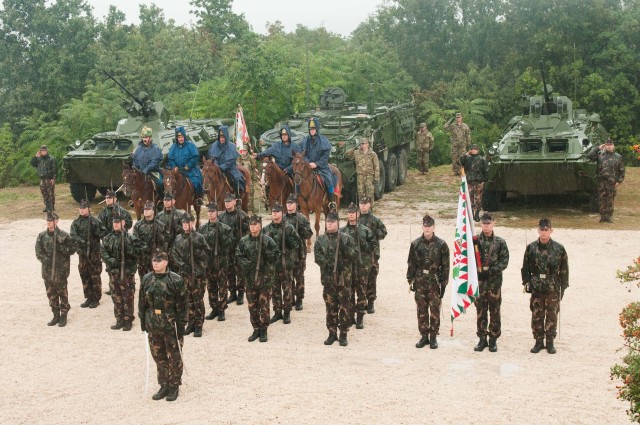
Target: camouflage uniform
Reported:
point(172, 220)
point(336, 290)
point(460, 139)
point(477, 171)
point(46, 166)
point(87, 232)
point(238, 220)
point(163, 314)
point(424, 145)
point(429, 269)
point(302, 226)
point(545, 274)
point(219, 237)
point(361, 266)
point(152, 234)
point(258, 293)
point(596, 134)
point(367, 169)
point(122, 292)
point(494, 256)
point(249, 162)
point(282, 290)
point(380, 232)
point(193, 271)
point(56, 283)
point(610, 171)
point(106, 217)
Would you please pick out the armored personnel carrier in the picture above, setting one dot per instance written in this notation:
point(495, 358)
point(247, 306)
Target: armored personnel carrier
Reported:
point(542, 152)
point(391, 125)
point(96, 164)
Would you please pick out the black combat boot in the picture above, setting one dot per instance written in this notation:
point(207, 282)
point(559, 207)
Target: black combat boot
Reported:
point(127, 325)
point(86, 303)
point(190, 328)
point(423, 341)
point(263, 335)
point(197, 331)
point(94, 304)
point(172, 395)
point(539, 346)
point(212, 315)
point(550, 348)
point(433, 342)
point(55, 320)
point(108, 292)
point(482, 344)
point(276, 316)
point(232, 297)
point(360, 321)
point(162, 393)
point(63, 320)
point(299, 304)
point(332, 338)
point(286, 318)
point(493, 345)
point(240, 300)
point(254, 335)
point(343, 339)
point(221, 317)
point(370, 308)
point(119, 325)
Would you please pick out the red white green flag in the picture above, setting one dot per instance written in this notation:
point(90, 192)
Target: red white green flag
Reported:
point(242, 135)
point(464, 289)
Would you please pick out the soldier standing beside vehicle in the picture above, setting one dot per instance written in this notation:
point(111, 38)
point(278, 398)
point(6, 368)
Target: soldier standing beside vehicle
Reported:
point(162, 312)
point(87, 231)
point(151, 233)
point(46, 165)
point(428, 274)
point(303, 228)
point(424, 145)
point(545, 275)
point(494, 256)
point(367, 167)
point(610, 174)
point(596, 132)
point(54, 248)
point(477, 170)
point(238, 220)
point(460, 139)
point(380, 232)
point(147, 158)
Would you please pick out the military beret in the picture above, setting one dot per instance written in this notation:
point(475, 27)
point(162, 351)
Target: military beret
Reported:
point(160, 256)
point(352, 207)
point(255, 219)
point(474, 146)
point(486, 218)
point(83, 204)
point(51, 216)
point(168, 196)
point(148, 205)
point(332, 216)
point(544, 223)
point(110, 194)
point(428, 221)
point(43, 147)
point(292, 199)
point(609, 142)
point(186, 218)
point(212, 206)
point(276, 207)
point(365, 200)
point(423, 125)
point(229, 197)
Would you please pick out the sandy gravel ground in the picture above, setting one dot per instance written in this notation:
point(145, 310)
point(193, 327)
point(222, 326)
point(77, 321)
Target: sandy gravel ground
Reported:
point(87, 373)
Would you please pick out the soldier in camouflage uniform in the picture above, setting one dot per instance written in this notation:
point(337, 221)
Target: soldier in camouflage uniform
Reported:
point(219, 237)
point(112, 208)
point(190, 254)
point(46, 165)
point(248, 161)
point(545, 275)
point(596, 132)
point(121, 271)
point(171, 218)
point(258, 253)
point(289, 246)
point(460, 139)
point(162, 312)
point(361, 265)
point(302, 226)
point(610, 174)
point(477, 171)
point(380, 232)
point(87, 231)
point(238, 220)
point(494, 257)
point(428, 274)
point(334, 252)
point(54, 248)
point(151, 233)
point(367, 167)
point(424, 145)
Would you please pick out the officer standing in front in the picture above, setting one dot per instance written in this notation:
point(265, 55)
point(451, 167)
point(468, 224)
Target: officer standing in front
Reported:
point(610, 173)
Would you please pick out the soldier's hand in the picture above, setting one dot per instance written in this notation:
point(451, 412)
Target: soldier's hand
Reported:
point(38, 154)
point(443, 289)
point(412, 285)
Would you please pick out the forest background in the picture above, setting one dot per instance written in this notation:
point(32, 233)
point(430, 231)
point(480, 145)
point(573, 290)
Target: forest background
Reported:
point(475, 56)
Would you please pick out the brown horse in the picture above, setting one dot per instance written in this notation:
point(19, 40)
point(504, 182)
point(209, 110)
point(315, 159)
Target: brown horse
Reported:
point(280, 184)
point(312, 194)
point(138, 186)
point(179, 186)
point(216, 184)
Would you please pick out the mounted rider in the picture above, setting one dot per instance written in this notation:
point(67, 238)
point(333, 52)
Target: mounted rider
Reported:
point(282, 151)
point(316, 152)
point(147, 157)
point(184, 157)
point(225, 153)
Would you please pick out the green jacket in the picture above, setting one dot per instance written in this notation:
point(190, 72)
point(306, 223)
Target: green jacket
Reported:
point(495, 263)
point(545, 267)
point(610, 165)
point(106, 217)
point(292, 242)
point(111, 252)
point(65, 246)
point(377, 227)
point(247, 258)
point(238, 220)
point(365, 243)
point(172, 220)
point(476, 168)
point(85, 229)
point(220, 238)
point(162, 301)
point(46, 166)
point(429, 261)
point(325, 256)
point(185, 244)
point(144, 231)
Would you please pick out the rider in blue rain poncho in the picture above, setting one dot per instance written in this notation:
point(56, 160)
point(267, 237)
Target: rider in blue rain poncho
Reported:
point(316, 152)
point(224, 153)
point(148, 156)
point(282, 151)
point(184, 156)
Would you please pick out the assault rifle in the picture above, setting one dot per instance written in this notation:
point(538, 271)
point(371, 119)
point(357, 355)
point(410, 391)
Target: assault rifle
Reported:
point(258, 261)
point(53, 258)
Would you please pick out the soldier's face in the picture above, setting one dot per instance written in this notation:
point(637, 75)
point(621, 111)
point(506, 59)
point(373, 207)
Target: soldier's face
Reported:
point(167, 204)
point(459, 119)
point(312, 131)
point(255, 228)
point(180, 138)
point(186, 226)
point(364, 147)
point(213, 216)
point(332, 226)
point(84, 212)
point(365, 207)
point(146, 141)
point(110, 201)
point(291, 207)
point(117, 226)
point(230, 205)
point(545, 234)
point(284, 137)
point(148, 214)
point(276, 216)
point(51, 225)
point(487, 228)
point(609, 147)
point(427, 231)
point(160, 266)
point(352, 216)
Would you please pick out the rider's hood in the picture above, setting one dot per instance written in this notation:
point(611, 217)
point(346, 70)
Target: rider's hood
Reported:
point(288, 130)
point(181, 130)
point(224, 130)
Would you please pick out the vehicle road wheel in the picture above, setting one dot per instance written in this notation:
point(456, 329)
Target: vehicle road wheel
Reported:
point(378, 189)
point(78, 191)
point(403, 166)
point(491, 200)
point(392, 172)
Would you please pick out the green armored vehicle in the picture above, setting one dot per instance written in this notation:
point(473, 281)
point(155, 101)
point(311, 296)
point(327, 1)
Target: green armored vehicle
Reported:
point(96, 164)
point(392, 126)
point(542, 152)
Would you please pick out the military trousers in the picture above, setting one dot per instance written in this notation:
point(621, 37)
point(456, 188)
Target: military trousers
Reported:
point(372, 283)
point(365, 186)
point(122, 293)
point(166, 353)
point(217, 288)
point(359, 286)
point(458, 149)
point(606, 196)
point(428, 304)
point(57, 294)
point(90, 269)
point(488, 311)
point(475, 193)
point(337, 300)
point(48, 194)
point(235, 281)
point(422, 158)
point(282, 291)
point(258, 299)
point(545, 307)
point(195, 287)
point(298, 274)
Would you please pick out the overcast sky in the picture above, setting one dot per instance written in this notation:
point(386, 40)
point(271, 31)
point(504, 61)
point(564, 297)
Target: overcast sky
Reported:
point(338, 16)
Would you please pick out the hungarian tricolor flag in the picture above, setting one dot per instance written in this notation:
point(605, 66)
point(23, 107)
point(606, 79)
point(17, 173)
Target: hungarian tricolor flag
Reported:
point(465, 276)
point(242, 135)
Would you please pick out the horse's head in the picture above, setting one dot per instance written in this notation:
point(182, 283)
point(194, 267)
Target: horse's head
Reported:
point(211, 174)
point(128, 179)
point(169, 179)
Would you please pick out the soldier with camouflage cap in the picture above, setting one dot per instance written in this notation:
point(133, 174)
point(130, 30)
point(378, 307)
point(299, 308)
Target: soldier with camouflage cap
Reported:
point(112, 208)
point(545, 275)
point(238, 220)
point(162, 312)
point(428, 274)
point(257, 254)
point(380, 232)
point(171, 218)
point(151, 232)
point(46, 165)
point(460, 139)
point(367, 167)
point(88, 231)
point(424, 145)
point(54, 248)
point(476, 169)
point(610, 174)
point(596, 133)
point(303, 228)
